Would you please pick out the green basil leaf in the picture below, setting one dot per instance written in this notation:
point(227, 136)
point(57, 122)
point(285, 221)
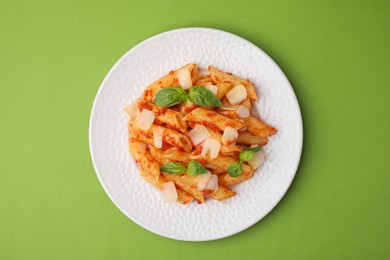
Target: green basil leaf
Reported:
point(185, 97)
point(170, 96)
point(195, 168)
point(173, 168)
point(248, 153)
point(235, 169)
point(203, 97)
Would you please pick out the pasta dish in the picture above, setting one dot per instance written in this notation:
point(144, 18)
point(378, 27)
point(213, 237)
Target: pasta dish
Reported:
point(193, 136)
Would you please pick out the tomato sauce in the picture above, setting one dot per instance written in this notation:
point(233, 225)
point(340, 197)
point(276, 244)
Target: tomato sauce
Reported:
point(210, 125)
point(165, 145)
point(197, 150)
point(144, 105)
point(176, 107)
point(189, 109)
point(202, 161)
point(161, 111)
point(147, 92)
point(207, 192)
point(171, 126)
point(231, 142)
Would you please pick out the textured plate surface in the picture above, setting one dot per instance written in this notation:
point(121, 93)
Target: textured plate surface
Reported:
point(118, 173)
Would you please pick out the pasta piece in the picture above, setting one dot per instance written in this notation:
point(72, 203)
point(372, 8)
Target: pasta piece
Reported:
point(148, 165)
point(158, 155)
point(135, 134)
point(172, 137)
point(212, 119)
point(219, 77)
point(230, 149)
point(222, 193)
point(227, 180)
point(188, 107)
point(183, 196)
point(225, 149)
point(246, 102)
point(214, 169)
point(203, 80)
point(229, 113)
point(168, 80)
point(223, 88)
point(146, 176)
point(222, 161)
point(171, 118)
point(258, 127)
point(144, 137)
point(175, 155)
point(186, 183)
point(150, 168)
point(246, 138)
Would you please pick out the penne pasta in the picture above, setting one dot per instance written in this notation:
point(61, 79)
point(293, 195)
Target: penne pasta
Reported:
point(230, 149)
point(246, 102)
point(171, 118)
point(258, 127)
point(183, 196)
point(229, 113)
point(167, 148)
point(227, 180)
point(222, 161)
point(222, 193)
point(221, 77)
point(136, 135)
point(225, 149)
point(186, 183)
point(158, 155)
point(212, 119)
point(188, 107)
point(248, 139)
point(203, 80)
point(214, 169)
point(148, 165)
point(169, 136)
point(223, 88)
point(175, 155)
point(168, 80)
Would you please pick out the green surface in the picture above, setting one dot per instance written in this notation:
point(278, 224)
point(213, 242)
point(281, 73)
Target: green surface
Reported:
point(53, 57)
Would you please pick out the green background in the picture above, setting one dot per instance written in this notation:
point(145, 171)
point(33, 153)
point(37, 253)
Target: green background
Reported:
point(53, 57)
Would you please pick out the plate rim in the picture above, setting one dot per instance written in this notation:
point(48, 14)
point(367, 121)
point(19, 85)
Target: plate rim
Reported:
point(300, 130)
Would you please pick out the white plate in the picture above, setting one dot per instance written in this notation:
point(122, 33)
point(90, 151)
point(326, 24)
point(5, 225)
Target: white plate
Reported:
point(118, 173)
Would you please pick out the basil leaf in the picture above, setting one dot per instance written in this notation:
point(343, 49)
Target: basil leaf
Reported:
point(173, 168)
point(203, 97)
point(248, 153)
point(170, 96)
point(185, 97)
point(235, 169)
point(195, 168)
